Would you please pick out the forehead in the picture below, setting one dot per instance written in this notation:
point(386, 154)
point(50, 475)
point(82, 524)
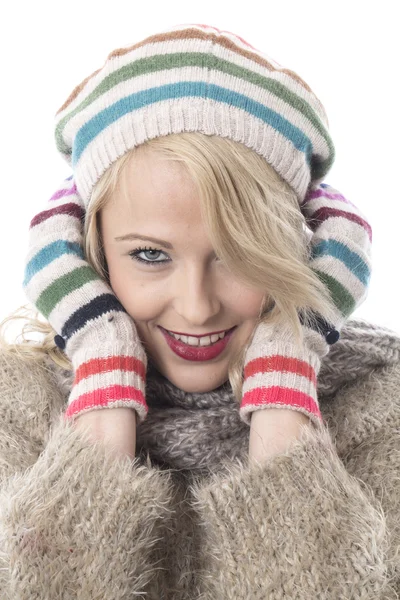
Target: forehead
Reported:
point(157, 198)
point(151, 186)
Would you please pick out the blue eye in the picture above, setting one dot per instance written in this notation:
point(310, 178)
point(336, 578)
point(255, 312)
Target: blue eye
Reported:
point(138, 251)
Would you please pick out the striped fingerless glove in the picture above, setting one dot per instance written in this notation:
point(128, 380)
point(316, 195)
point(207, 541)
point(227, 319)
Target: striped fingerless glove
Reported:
point(94, 329)
point(276, 373)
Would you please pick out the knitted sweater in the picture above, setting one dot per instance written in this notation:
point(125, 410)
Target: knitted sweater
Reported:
point(318, 521)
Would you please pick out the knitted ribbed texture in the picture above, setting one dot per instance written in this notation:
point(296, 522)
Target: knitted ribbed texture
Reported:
point(276, 375)
point(187, 78)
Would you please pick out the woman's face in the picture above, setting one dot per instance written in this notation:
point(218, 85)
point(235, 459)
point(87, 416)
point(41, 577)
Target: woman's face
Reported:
point(192, 291)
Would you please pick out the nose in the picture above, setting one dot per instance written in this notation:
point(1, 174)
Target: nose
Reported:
point(197, 298)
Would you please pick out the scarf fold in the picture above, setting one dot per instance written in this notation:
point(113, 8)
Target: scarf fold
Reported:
point(195, 433)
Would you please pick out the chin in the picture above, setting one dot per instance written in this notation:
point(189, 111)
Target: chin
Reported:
point(191, 378)
point(196, 385)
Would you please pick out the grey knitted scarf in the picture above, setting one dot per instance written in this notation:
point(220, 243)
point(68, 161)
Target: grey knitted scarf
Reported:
point(195, 432)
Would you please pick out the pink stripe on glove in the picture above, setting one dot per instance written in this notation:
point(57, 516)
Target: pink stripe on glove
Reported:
point(278, 374)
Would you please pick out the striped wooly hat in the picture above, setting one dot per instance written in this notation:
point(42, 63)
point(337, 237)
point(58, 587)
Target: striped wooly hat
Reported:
point(194, 78)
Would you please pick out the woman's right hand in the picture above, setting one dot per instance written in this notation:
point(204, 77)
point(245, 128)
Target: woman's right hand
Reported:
point(115, 427)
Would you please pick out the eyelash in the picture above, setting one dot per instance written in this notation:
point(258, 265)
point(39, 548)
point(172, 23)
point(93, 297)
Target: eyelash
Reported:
point(135, 256)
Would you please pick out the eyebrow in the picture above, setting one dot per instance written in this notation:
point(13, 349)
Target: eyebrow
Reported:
point(136, 236)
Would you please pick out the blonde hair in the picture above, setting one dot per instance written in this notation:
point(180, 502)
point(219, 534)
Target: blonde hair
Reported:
point(254, 224)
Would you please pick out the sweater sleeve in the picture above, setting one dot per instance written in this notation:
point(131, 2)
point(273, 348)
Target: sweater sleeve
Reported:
point(298, 526)
point(25, 412)
point(80, 523)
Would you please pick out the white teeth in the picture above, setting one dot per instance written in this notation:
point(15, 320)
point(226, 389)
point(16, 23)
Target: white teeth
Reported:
point(203, 341)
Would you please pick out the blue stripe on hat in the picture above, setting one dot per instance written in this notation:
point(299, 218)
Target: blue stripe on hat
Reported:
point(90, 130)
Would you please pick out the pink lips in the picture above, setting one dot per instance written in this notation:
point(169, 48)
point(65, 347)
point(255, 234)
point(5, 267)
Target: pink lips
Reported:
point(202, 353)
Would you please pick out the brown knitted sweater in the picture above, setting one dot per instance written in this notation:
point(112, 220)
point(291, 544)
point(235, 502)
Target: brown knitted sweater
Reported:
point(188, 519)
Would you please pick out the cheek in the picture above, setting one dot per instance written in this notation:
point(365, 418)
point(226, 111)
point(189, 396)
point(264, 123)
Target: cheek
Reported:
point(245, 302)
point(138, 298)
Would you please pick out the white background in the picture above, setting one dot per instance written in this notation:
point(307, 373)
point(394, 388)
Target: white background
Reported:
point(348, 52)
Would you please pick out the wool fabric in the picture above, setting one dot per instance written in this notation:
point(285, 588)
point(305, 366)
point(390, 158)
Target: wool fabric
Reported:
point(188, 78)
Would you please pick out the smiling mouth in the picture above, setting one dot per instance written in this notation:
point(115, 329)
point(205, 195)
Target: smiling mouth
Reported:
point(197, 351)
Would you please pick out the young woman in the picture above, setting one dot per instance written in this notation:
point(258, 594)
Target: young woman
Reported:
point(191, 425)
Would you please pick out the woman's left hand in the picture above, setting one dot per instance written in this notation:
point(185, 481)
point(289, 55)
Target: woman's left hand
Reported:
point(278, 372)
point(273, 430)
